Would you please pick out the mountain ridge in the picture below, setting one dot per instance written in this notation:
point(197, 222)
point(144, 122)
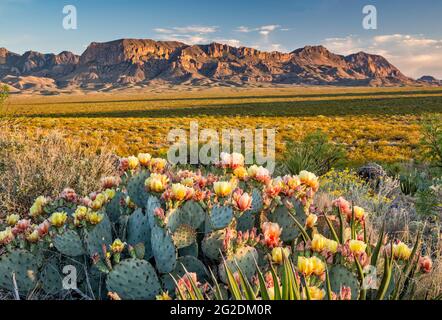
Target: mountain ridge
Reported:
point(126, 63)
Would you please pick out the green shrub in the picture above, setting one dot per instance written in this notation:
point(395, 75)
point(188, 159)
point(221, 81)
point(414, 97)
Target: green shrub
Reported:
point(314, 153)
point(431, 143)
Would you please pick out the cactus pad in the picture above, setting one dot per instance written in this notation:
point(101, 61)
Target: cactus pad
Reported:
point(184, 236)
point(100, 235)
point(113, 208)
point(221, 216)
point(152, 204)
point(137, 190)
point(257, 202)
point(245, 258)
point(191, 214)
point(212, 244)
point(134, 279)
point(69, 243)
point(191, 250)
point(139, 231)
point(246, 221)
point(282, 216)
point(341, 276)
point(163, 250)
point(25, 266)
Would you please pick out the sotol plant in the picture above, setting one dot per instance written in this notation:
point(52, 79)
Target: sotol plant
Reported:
point(159, 232)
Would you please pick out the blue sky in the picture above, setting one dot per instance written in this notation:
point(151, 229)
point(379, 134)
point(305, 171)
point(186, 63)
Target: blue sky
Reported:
point(409, 32)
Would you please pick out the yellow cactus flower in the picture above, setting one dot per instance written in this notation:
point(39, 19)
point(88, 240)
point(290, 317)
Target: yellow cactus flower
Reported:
point(319, 242)
point(156, 182)
point(318, 266)
point(316, 293)
point(357, 247)
point(33, 237)
point(331, 246)
point(157, 164)
point(58, 219)
point(81, 213)
point(292, 181)
point(94, 217)
point(179, 191)
point(252, 171)
point(12, 219)
point(240, 173)
point(37, 208)
point(311, 221)
point(304, 266)
point(222, 188)
point(144, 159)
point(310, 179)
point(277, 254)
point(117, 246)
point(164, 296)
point(401, 251)
point(109, 194)
point(359, 213)
point(6, 236)
point(133, 162)
point(188, 182)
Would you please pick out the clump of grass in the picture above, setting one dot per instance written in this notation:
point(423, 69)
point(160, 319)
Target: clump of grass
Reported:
point(45, 165)
point(314, 153)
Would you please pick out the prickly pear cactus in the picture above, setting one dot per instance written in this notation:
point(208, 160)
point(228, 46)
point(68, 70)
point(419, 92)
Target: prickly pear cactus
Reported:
point(257, 202)
point(163, 249)
point(341, 276)
point(137, 190)
point(25, 267)
point(221, 216)
point(282, 216)
point(191, 250)
point(69, 243)
point(245, 258)
point(191, 264)
point(113, 208)
point(152, 204)
point(139, 231)
point(212, 244)
point(246, 221)
point(100, 235)
point(191, 214)
point(51, 278)
point(134, 279)
point(184, 236)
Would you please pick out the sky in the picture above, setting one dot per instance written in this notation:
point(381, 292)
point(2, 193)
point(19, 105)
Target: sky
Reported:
point(408, 34)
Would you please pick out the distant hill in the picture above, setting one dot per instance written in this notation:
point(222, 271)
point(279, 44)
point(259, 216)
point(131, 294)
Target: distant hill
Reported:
point(129, 63)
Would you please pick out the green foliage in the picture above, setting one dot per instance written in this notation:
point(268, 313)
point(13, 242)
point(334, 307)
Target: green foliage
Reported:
point(134, 279)
point(431, 142)
point(4, 94)
point(314, 153)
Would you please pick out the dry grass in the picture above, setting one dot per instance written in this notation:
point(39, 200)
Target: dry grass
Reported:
point(45, 165)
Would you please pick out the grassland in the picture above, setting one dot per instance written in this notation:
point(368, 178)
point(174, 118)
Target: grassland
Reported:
point(375, 124)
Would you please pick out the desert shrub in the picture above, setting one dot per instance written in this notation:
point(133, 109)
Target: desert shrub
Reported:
point(45, 165)
point(429, 199)
point(431, 143)
point(314, 153)
point(349, 184)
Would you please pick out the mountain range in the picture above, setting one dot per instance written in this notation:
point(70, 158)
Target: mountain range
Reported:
point(141, 63)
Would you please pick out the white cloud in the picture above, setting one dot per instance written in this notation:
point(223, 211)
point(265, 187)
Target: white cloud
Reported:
point(188, 29)
point(194, 35)
point(229, 42)
point(414, 55)
point(263, 30)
